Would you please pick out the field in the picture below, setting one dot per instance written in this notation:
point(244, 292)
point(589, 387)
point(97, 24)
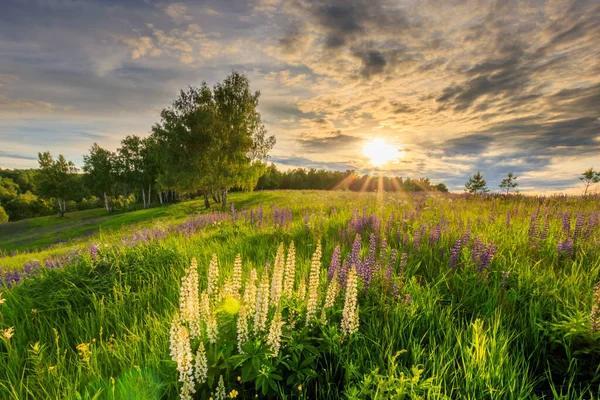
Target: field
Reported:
point(384, 297)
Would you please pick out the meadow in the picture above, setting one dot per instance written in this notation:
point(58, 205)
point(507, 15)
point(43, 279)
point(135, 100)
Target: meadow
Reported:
point(306, 295)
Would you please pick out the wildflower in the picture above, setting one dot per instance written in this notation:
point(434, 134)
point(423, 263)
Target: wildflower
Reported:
point(290, 271)
point(212, 329)
point(242, 328)
point(230, 305)
point(274, 337)
point(579, 223)
point(566, 223)
point(181, 353)
point(201, 366)
point(2, 299)
point(262, 304)
point(277, 278)
point(213, 276)
point(335, 262)
point(313, 284)
point(8, 332)
point(233, 394)
point(391, 264)
point(330, 296)
point(239, 378)
point(350, 320)
point(220, 393)
point(250, 291)
point(83, 349)
point(299, 388)
point(455, 253)
point(595, 314)
point(565, 248)
point(301, 293)
point(188, 300)
point(237, 275)
point(51, 368)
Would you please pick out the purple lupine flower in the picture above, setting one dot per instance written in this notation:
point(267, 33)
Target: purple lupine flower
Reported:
point(408, 299)
point(405, 240)
point(543, 234)
point(335, 263)
point(343, 276)
point(486, 257)
point(508, 219)
point(592, 223)
point(566, 223)
point(390, 267)
point(416, 241)
point(504, 281)
point(565, 248)
point(369, 265)
point(435, 234)
point(403, 262)
point(455, 253)
point(579, 224)
point(93, 251)
point(533, 224)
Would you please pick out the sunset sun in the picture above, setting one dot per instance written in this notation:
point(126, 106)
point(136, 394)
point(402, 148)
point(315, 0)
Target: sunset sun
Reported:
point(380, 153)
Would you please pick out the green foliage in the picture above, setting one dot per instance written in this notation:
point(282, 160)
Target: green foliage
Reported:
point(3, 216)
point(476, 184)
point(57, 179)
point(509, 182)
point(589, 177)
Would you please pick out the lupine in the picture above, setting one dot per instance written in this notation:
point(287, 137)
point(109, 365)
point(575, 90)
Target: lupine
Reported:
point(330, 296)
point(566, 223)
point(201, 365)
point(242, 328)
point(350, 320)
point(368, 266)
point(335, 263)
point(354, 256)
point(455, 253)
point(189, 306)
point(274, 337)
point(213, 276)
point(220, 393)
point(508, 219)
point(391, 263)
point(301, 292)
point(277, 278)
point(212, 328)
point(595, 314)
point(579, 223)
point(565, 248)
point(290, 271)
point(237, 275)
point(313, 284)
point(405, 240)
point(262, 304)
point(181, 353)
point(250, 292)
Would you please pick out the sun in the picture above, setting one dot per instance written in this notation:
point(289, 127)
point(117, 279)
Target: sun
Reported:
point(380, 153)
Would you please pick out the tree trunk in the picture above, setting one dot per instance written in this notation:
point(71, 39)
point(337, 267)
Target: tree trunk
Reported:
point(224, 204)
point(206, 202)
point(144, 196)
point(149, 194)
point(214, 197)
point(106, 202)
point(160, 197)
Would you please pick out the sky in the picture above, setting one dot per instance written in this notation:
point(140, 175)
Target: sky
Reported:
point(454, 86)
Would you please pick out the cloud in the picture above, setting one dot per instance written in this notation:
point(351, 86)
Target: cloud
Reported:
point(4, 154)
point(336, 141)
point(177, 12)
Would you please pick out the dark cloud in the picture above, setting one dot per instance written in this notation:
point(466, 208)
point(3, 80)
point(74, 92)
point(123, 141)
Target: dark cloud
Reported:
point(308, 163)
point(4, 154)
point(335, 141)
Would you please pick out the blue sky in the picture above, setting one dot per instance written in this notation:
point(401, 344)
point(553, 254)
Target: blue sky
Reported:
point(457, 86)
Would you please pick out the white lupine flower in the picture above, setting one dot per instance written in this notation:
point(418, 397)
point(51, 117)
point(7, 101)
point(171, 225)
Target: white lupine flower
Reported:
point(277, 279)
point(242, 328)
point(201, 366)
point(188, 300)
point(290, 272)
point(250, 291)
point(228, 289)
point(262, 304)
point(330, 296)
point(237, 276)
point(301, 293)
point(350, 320)
point(212, 329)
point(274, 337)
point(213, 276)
point(313, 285)
point(220, 393)
point(181, 353)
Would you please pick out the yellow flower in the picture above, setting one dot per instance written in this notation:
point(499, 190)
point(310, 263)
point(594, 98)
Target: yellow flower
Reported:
point(299, 388)
point(51, 368)
point(230, 305)
point(239, 378)
point(8, 332)
point(233, 394)
point(84, 351)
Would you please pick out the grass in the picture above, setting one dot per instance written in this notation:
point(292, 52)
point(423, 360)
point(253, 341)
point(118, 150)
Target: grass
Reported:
point(463, 335)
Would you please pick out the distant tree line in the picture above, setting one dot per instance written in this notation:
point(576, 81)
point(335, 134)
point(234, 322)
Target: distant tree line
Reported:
point(321, 179)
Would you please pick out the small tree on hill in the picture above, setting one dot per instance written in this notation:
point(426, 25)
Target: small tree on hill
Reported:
point(476, 184)
point(57, 179)
point(509, 182)
point(589, 177)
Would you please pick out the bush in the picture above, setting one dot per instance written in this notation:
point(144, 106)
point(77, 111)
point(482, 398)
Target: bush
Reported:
point(3, 216)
